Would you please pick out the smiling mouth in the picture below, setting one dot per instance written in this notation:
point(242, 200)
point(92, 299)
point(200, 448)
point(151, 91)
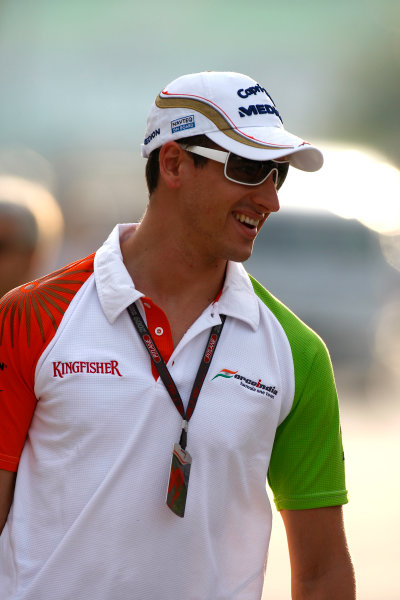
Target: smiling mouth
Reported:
point(245, 220)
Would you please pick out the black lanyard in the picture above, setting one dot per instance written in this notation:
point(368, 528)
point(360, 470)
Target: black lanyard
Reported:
point(165, 374)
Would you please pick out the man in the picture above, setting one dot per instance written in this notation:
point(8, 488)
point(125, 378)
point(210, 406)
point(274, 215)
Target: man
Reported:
point(102, 509)
point(18, 244)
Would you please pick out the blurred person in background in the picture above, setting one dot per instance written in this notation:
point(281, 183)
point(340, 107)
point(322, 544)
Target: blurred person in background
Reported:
point(32, 227)
point(161, 341)
point(18, 245)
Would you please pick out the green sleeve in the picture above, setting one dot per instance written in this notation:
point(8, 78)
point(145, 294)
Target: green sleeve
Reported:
point(307, 463)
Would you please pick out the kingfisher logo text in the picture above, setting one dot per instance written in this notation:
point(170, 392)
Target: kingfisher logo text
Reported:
point(250, 384)
point(60, 369)
point(151, 348)
point(210, 348)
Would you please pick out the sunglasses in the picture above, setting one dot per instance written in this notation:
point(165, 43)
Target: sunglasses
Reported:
point(243, 170)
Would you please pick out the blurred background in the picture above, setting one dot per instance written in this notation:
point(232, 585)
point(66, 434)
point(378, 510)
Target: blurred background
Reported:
point(78, 79)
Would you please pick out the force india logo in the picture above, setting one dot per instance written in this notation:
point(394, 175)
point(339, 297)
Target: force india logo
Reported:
point(254, 386)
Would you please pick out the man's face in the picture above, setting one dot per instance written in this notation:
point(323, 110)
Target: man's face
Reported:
point(223, 218)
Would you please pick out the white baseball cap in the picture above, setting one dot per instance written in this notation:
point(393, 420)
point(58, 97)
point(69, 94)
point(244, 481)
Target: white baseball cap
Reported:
point(231, 109)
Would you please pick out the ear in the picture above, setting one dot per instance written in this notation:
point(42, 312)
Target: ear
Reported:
point(171, 159)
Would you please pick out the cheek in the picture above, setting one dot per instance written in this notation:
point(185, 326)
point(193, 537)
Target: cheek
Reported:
point(202, 199)
point(210, 195)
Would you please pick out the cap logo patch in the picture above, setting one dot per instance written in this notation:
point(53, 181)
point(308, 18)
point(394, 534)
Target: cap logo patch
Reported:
point(258, 109)
point(252, 90)
point(216, 115)
point(183, 123)
point(151, 136)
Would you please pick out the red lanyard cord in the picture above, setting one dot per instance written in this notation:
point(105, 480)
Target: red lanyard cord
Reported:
point(164, 373)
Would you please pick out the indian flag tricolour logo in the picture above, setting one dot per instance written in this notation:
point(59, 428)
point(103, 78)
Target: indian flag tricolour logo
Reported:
point(225, 373)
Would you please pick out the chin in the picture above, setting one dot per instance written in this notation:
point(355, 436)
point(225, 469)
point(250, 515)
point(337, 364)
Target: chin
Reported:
point(240, 255)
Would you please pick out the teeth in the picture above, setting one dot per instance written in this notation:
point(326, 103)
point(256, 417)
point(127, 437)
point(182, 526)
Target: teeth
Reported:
point(247, 220)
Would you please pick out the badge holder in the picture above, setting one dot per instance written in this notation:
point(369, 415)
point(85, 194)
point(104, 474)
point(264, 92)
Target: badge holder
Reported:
point(179, 480)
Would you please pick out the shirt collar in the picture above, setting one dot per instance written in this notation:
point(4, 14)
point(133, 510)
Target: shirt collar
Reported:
point(116, 290)
point(238, 299)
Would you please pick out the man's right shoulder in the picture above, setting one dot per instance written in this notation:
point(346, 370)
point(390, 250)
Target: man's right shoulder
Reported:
point(31, 313)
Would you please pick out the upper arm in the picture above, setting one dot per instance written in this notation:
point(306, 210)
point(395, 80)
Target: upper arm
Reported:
point(319, 553)
point(18, 356)
point(7, 484)
point(306, 469)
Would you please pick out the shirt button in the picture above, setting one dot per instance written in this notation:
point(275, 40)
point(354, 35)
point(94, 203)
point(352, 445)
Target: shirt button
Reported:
point(159, 330)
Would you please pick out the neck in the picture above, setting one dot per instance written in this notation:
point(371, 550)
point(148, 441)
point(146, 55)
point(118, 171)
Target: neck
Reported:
point(163, 267)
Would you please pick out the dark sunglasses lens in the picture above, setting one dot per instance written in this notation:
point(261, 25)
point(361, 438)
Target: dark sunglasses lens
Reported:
point(245, 170)
point(283, 169)
point(253, 172)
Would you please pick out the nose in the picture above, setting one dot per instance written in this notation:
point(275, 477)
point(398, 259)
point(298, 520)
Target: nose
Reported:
point(266, 196)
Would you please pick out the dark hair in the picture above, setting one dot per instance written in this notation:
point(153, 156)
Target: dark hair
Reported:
point(153, 165)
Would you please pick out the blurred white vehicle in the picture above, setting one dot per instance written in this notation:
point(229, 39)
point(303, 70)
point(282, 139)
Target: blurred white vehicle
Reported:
point(332, 273)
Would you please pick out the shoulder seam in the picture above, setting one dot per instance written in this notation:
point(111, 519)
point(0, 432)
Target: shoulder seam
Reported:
point(42, 303)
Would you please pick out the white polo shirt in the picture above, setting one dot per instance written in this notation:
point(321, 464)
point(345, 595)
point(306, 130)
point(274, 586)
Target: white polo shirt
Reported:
point(89, 518)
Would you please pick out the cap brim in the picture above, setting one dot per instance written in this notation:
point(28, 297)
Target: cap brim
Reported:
point(269, 143)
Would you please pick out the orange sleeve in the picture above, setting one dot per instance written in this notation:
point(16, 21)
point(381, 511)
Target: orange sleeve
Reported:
point(29, 318)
